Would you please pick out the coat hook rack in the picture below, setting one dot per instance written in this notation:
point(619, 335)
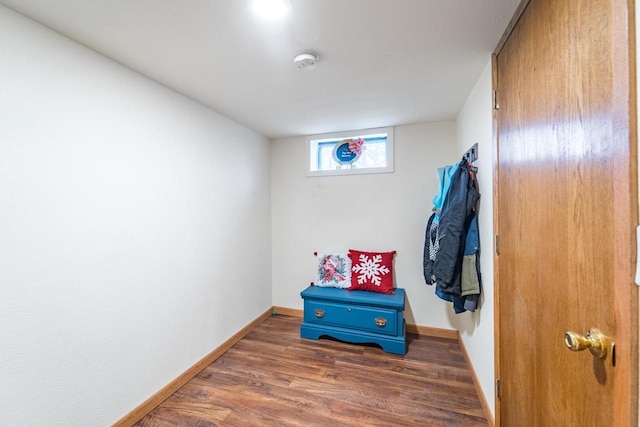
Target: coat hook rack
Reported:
point(472, 154)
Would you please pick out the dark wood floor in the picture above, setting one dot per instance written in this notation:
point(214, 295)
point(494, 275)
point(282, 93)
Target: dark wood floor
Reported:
point(272, 377)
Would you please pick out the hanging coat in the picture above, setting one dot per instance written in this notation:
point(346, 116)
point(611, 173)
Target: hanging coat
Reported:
point(457, 211)
point(445, 175)
point(451, 234)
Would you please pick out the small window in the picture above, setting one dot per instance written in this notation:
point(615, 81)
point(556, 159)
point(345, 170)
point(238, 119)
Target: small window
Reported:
point(353, 152)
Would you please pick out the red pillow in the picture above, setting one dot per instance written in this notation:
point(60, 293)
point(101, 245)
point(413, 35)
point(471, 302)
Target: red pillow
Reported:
point(371, 271)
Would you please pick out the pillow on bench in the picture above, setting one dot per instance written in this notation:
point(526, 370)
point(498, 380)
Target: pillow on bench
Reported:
point(371, 271)
point(334, 270)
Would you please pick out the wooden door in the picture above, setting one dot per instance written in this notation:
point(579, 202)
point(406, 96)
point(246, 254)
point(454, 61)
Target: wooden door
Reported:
point(565, 213)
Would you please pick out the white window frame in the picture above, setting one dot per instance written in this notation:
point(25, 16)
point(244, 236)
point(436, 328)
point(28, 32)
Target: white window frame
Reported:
point(312, 149)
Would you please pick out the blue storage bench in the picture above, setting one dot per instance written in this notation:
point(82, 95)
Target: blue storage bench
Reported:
point(355, 316)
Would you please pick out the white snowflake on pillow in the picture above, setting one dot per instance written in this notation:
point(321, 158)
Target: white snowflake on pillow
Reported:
point(370, 269)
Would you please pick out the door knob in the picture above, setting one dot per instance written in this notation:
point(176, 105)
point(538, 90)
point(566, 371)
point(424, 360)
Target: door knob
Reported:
point(595, 341)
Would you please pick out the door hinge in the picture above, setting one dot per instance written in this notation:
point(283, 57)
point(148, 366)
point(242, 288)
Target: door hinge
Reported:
point(496, 244)
point(498, 389)
point(496, 106)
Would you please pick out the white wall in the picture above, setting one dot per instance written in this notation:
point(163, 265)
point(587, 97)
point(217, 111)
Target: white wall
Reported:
point(134, 232)
point(378, 212)
point(475, 125)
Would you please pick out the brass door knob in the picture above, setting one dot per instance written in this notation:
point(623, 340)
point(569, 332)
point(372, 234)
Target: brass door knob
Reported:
point(381, 321)
point(595, 341)
point(319, 313)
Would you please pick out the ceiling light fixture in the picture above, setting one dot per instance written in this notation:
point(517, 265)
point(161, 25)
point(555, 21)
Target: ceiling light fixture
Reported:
point(270, 9)
point(306, 60)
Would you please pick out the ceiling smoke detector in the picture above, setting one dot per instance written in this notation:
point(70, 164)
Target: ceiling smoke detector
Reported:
point(306, 61)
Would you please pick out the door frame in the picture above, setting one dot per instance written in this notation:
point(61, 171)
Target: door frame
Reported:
point(626, 208)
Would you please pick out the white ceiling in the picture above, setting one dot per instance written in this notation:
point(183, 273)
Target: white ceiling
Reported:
point(382, 62)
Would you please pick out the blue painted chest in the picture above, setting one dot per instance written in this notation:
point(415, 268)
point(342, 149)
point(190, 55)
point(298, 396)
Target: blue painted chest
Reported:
point(355, 316)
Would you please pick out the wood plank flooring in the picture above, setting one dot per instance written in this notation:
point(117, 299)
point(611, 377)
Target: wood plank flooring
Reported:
point(272, 377)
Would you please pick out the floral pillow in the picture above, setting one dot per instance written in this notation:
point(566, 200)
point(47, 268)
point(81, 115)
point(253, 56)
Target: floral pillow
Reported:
point(334, 270)
point(372, 271)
